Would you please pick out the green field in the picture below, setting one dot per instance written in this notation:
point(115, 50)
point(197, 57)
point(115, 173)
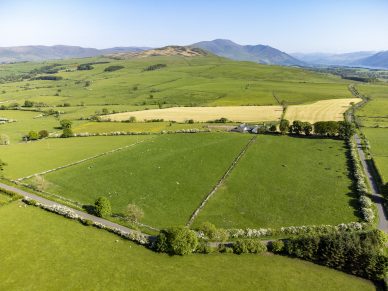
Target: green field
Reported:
point(285, 181)
point(25, 122)
point(42, 251)
point(25, 159)
point(378, 139)
point(374, 121)
point(206, 80)
point(167, 177)
point(98, 127)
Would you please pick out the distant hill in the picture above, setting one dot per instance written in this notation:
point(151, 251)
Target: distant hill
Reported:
point(379, 60)
point(256, 53)
point(42, 53)
point(346, 59)
point(164, 51)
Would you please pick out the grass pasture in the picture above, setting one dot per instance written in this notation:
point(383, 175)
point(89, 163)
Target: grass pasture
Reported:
point(203, 114)
point(168, 176)
point(38, 246)
point(25, 159)
point(324, 110)
point(155, 127)
point(284, 181)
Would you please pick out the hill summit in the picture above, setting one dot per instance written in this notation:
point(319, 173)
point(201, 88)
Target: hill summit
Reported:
point(263, 54)
point(164, 51)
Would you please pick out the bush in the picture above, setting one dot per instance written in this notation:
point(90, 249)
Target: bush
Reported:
point(133, 213)
point(276, 246)
point(224, 249)
point(284, 125)
point(30, 202)
point(102, 207)
point(65, 123)
point(43, 133)
point(67, 132)
point(203, 248)
point(251, 246)
point(33, 135)
point(176, 241)
point(208, 229)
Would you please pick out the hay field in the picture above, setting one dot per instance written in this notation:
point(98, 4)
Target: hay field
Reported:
point(203, 114)
point(324, 110)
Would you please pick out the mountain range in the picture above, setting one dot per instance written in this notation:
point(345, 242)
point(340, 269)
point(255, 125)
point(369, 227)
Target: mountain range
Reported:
point(263, 54)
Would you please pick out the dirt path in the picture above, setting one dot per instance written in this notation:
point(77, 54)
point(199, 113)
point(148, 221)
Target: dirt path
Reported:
point(82, 214)
point(220, 182)
point(377, 198)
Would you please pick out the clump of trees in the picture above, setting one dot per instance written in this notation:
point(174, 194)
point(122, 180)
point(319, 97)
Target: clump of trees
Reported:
point(85, 67)
point(113, 68)
point(155, 67)
point(176, 241)
point(66, 128)
point(360, 254)
point(341, 129)
point(102, 207)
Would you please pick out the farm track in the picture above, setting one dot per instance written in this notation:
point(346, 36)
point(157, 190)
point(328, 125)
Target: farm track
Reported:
point(81, 161)
point(220, 182)
point(377, 198)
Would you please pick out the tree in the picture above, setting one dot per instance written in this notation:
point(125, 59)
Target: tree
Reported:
point(67, 132)
point(43, 133)
point(65, 123)
point(4, 139)
point(105, 111)
point(102, 207)
point(33, 135)
point(345, 129)
point(176, 241)
point(133, 213)
point(284, 125)
point(132, 119)
point(28, 103)
point(307, 128)
point(273, 128)
point(296, 127)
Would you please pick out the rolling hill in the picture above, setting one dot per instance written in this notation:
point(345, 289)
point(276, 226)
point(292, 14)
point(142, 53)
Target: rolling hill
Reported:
point(256, 53)
point(42, 53)
point(379, 60)
point(345, 59)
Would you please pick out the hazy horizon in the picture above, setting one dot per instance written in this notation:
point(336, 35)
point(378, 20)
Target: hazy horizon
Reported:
point(298, 27)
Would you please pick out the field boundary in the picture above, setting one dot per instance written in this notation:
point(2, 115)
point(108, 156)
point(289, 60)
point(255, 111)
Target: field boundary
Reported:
point(220, 181)
point(80, 161)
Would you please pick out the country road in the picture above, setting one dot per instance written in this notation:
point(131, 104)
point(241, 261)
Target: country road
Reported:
point(377, 198)
point(80, 213)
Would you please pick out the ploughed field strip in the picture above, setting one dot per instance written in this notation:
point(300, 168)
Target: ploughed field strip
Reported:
point(167, 177)
point(285, 181)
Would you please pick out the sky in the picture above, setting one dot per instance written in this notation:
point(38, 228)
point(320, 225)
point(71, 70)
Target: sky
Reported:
point(292, 26)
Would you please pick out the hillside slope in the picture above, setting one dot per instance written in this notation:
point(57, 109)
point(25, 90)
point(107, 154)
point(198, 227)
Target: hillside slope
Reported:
point(256, 53)
point(379, 60)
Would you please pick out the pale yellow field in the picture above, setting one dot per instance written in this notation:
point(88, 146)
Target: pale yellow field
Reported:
point(203, 114)
point(324, 110)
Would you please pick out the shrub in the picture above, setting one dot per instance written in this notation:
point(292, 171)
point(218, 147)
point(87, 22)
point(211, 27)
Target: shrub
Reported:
point(252, 246)
point(133, 213)
point(276, 246)
point(273, 128)
point(33, 135)
point(203, 248)
point(176, 241)
point(67, 132)
point(43, 133)
point(208, 229)
point(132, 119)
point(225, 249)
point(30, 202)
point(102, 207)
point(65, 123)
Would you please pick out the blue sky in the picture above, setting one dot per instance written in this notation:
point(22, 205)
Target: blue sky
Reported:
point(292, 26)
